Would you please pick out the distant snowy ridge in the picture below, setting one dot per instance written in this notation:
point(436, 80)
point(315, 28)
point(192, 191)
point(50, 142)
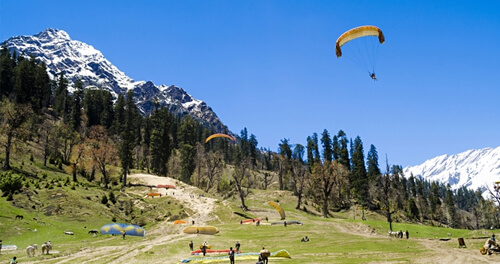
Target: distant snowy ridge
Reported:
point(80, 60)
point(473, 169)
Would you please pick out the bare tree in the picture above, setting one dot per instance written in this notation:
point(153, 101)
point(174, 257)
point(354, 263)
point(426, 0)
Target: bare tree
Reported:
point(43, 134)
point(241, 182)
point(76, 159)
point(324, 177)
point(267, 178)
point(102, 152)
point(214, 166)
point(299, 174)
point(13, 121)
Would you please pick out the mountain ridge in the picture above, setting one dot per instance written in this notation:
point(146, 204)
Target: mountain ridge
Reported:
point(80, 60)
point(475, 168)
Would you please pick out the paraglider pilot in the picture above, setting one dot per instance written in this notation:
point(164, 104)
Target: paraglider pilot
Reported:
point(372, 75)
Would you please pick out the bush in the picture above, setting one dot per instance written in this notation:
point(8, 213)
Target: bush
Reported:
point(104, 199)
point(9, 182)
point(112, 197)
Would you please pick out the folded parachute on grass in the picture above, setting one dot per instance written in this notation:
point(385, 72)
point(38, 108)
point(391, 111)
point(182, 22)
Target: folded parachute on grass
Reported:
point(211, 251)
point(119, 228)
point(280, 254)
point(176, 222)
point(248, 221)
point(288, 222)
point(204, 230)
point(278, 208)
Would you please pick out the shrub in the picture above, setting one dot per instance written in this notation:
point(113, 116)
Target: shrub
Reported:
point(9, 182)
point(112, 197)
point(104, 199)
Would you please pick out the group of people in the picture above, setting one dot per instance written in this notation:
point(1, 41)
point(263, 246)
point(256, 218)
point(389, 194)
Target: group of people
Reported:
point(263, 254)
point(491, 246)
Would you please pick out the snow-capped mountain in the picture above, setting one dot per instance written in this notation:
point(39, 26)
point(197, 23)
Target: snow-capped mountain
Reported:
point(473, 169)
point(80, 60)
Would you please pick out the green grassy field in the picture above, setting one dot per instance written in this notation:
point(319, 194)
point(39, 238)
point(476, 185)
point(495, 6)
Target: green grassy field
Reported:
point(344, 238)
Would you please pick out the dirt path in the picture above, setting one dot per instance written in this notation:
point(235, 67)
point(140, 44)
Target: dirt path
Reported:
point(439, 252)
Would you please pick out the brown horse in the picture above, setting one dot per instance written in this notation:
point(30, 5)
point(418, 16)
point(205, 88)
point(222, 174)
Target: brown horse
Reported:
point(46, 247)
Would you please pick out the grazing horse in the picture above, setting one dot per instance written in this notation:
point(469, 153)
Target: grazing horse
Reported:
point(30, 250)
point(46, 247)
point(19, 217)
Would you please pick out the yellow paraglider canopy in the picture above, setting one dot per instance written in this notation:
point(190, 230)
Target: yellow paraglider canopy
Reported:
point(278, 208)
point(220, 135)
point(357, 32)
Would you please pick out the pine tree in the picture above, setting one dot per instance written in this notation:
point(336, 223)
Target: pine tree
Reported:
point(358, 176)
point(343, 152)
point(188, 137)
point(119, 117)
point(327, 146)
point(98, 105)
point(42, 91)
point(312, 151)
point(373, 167)
point(76, 110)
point(252, 145)
point(128, 135)
point(161, 144)
point(450, 206)
point(7, 72)
point(61, 96)
point(285, 154)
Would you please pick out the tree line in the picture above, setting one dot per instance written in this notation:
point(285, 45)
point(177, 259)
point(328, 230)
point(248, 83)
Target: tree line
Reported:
point(89, 133)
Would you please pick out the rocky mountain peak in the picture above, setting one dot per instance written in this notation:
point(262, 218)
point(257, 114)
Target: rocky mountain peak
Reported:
point(78, 60)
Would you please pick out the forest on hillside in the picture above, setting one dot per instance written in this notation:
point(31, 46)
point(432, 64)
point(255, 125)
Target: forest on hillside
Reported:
point(87, 133)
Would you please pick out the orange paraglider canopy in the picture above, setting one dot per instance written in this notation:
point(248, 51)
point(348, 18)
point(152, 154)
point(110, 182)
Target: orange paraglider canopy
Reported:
point(220, 135)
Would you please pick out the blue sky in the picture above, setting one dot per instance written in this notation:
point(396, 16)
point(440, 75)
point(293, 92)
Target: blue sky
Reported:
point(270, 66)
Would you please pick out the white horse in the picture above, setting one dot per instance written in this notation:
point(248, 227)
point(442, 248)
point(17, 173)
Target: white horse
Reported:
point(46, 247)
point(30, 250)
point(393, 234)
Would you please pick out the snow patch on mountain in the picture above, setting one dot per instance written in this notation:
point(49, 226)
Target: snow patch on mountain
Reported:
point(473, 169)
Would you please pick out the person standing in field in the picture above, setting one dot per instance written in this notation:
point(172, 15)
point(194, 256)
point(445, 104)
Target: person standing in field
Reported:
point(237, 246)
point(231, 255)
point(191, 245)
point(264, 254)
